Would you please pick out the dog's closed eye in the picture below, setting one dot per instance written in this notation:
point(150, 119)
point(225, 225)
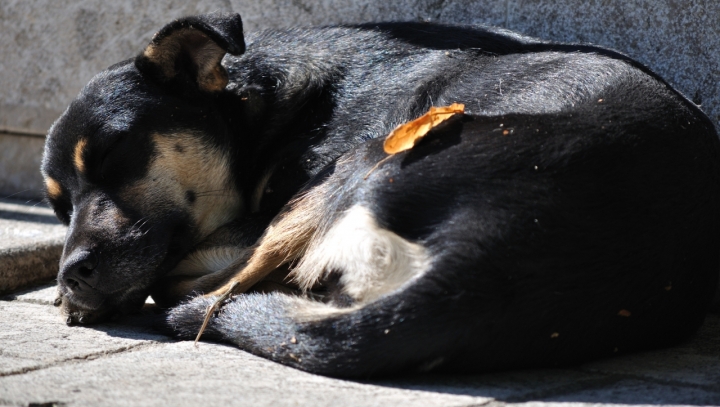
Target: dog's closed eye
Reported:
point(126, 159)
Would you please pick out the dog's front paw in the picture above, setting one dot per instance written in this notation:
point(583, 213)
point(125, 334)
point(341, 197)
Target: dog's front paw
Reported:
point(187, 318)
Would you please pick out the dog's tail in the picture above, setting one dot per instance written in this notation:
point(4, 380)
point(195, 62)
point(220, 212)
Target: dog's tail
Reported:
point(382, 337)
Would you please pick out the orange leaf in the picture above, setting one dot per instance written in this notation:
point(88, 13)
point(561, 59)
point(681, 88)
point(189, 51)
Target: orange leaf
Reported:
point(405, 136)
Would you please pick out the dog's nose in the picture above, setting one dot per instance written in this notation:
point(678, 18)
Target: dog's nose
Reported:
point(79, 271)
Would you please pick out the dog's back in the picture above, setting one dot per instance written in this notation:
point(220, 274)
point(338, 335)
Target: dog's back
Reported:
point(572, 214)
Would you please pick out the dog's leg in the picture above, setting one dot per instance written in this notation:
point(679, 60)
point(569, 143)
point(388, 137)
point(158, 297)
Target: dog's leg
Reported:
point(212, 262)
point(380, 337)
point(176, 288)
point(284, 241)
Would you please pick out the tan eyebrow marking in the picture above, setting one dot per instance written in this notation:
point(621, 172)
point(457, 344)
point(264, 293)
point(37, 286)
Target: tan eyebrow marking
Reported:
point(78, 156)
point(54, 189)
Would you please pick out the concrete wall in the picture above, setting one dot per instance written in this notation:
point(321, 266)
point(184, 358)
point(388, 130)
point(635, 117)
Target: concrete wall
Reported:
point(20, 157)
point(50, 48)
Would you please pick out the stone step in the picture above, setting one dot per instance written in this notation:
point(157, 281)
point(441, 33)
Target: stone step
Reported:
point(31, 240)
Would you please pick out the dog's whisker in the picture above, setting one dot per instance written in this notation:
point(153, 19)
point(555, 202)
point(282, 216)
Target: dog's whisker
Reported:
point(135, 225)
point(16, 193)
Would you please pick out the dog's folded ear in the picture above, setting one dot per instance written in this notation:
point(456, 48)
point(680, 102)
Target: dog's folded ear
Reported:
point(188, 51)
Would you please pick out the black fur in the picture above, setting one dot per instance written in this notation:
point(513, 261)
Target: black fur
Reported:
point(570, 214)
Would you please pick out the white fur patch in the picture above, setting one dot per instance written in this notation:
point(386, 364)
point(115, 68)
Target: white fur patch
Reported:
point(305, 310)
point(372, 261)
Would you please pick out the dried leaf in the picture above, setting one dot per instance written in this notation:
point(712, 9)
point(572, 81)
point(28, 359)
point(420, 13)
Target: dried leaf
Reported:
point(405, 136)
point(210, 310)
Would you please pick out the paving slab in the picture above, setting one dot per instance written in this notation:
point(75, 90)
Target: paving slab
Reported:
point(44, 294)
point(31, 240)
point(27, 222)
point(127, 363)
point(635, 393)
point(178, 374)
point(33, 336)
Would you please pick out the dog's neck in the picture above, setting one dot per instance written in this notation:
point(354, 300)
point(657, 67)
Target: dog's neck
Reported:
point(274, 125)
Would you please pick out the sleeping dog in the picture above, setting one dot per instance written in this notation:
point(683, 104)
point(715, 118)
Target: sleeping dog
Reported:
point(571, 213)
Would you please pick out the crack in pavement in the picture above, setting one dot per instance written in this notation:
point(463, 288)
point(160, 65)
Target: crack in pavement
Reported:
point(76, 359)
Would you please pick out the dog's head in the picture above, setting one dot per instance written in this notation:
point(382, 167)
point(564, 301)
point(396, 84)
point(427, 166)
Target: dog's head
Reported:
point(137, 167)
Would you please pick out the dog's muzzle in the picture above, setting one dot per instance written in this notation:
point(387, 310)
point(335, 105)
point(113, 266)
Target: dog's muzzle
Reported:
point(80, 273)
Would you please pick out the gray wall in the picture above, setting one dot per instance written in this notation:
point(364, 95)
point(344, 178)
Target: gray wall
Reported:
point(50, 48)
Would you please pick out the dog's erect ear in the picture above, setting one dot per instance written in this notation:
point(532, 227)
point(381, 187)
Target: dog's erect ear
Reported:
point(190, 50)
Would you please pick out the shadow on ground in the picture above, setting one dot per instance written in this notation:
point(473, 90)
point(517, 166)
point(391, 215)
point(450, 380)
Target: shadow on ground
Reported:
point(687, 374)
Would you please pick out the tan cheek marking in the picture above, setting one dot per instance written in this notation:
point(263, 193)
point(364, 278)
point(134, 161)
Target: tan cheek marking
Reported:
point(183, 163)
point(78, 156)
point(53, 188)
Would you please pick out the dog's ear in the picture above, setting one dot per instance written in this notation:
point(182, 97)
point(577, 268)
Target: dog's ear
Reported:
point(188, 51)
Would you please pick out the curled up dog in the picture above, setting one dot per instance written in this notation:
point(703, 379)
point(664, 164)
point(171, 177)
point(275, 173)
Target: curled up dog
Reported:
point(571, 213)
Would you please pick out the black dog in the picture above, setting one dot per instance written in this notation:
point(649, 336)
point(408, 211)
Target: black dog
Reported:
point(571, 213)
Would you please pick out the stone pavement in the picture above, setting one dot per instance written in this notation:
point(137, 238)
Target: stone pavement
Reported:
point(43, 362)
point(31, 241)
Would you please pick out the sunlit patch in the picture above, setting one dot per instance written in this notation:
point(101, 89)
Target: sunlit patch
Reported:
point(78, 155)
